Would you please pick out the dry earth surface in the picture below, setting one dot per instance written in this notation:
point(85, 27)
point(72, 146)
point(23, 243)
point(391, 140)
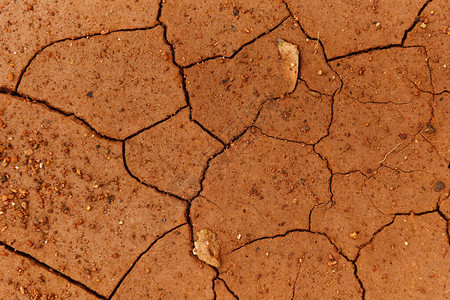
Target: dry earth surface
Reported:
point(230, 149)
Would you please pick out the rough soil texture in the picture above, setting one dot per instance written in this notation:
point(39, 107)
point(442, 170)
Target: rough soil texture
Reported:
point(416, 243)
point(169, 270)
point(22, 277)
point(171, 155)
point(431, 32)
point(290, 266)
point(224, 150)
point(105, 80)
point(29, 27)
point(353, 26)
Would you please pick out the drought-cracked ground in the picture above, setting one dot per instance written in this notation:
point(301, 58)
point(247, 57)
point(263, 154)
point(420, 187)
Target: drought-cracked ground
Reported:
point(224, 149)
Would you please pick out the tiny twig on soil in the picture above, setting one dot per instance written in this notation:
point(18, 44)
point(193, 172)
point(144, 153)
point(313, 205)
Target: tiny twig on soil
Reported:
point(389, 153)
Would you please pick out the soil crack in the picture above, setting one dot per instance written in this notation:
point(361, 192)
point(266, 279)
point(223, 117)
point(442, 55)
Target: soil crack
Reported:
point(52, 270)
point(240, 48)
point(228, 288)
point(155, 124)
point(401, 44)
point(59, 111)
point(373, 236)
point(23, 71)
point(416, 20)
point(144, 183)
point(296, 279)
point(139, 257)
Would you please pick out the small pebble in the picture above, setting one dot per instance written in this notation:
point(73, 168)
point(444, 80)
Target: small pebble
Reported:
point(320, 72)
point(439, 186)
point(403, 136)
point(314, 93)
point(429, 129)
point(4, 178)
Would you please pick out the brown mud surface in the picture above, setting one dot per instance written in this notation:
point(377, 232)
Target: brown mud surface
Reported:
point(224, 149)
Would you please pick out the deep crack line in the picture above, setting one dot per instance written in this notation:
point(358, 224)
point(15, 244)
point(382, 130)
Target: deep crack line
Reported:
point(373, 237)
point(167, 118)
point(304, 31)
point(59, 111)
point(214, 286)
point(416, 20)
point(225, 147)
point(205, 169)
point(183, 78)
point(124, 158)
point(319, 42)
point(338, 250)
point(140, 256)
point(72, 114)
point(395, 45)
point(354, 261)
point(238, 50)
point(83, 121)
point(210, 133)
point(366, 51)
point(361, 284)
point(25, 68)
point(52, 270)
point(180, 68)
point(228, 288)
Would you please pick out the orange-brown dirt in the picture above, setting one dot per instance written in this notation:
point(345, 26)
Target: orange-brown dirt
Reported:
point(224, 149)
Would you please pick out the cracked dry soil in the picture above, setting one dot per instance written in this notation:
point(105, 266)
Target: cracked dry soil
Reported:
point(300, 147)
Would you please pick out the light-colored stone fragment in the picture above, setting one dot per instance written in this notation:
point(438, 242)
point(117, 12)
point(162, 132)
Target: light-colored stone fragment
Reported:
point(291, 56)
point(207, 248)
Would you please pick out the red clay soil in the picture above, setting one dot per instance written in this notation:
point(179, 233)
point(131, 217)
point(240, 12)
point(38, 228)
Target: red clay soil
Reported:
point(224, 150)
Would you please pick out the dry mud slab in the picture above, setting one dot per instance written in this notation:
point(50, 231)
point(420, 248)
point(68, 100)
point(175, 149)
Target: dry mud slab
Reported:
point(224, 150)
